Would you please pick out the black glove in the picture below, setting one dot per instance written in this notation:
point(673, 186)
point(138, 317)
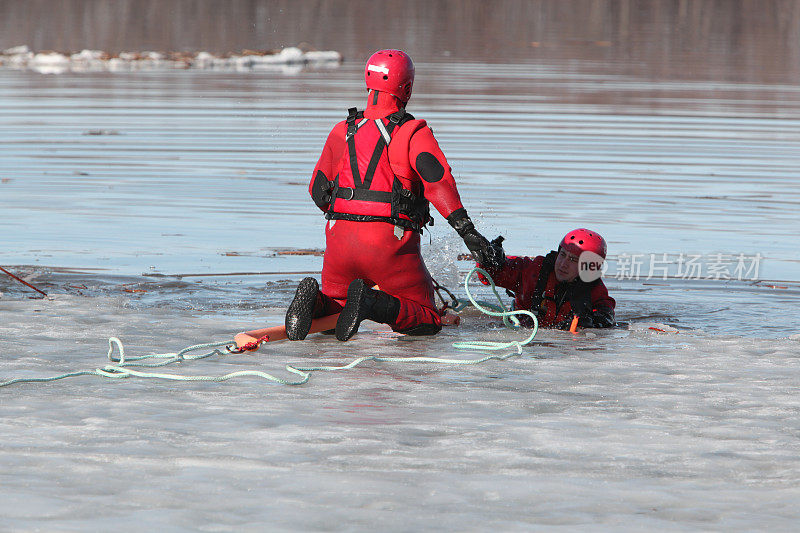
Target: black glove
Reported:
point(603, 317)
point(565, 324)
point(484, 253)
point(497, 256)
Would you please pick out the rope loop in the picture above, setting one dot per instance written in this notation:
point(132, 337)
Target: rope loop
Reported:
point(123, 366)
point(509, 318)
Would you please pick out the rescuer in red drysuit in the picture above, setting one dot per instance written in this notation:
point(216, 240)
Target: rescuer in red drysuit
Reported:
point(375, 198)
point(550, 286)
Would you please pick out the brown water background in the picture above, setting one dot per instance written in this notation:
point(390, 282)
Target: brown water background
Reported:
point(736, 40)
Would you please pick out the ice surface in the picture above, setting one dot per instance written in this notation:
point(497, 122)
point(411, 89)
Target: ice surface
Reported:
point(626, 429)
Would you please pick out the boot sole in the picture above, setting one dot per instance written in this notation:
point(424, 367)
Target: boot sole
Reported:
point(348, 322)
point(301, 310)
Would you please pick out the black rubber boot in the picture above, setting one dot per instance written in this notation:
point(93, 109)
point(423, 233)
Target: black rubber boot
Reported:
point(422, 330)
point(365, 303)
point(304, 308)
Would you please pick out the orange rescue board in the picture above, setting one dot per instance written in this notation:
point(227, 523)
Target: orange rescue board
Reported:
point(277, 333)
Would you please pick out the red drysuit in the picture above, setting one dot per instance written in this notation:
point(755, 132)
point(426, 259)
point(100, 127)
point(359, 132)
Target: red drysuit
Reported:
point(554, 303)
point(380, 252)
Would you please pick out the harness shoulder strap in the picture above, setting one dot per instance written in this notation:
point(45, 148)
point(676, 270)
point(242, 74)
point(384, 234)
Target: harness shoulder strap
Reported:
point(394, 120)
point(386, 137)
point(353, 115)
point(386, 133)
point(355, 119)
point(397, 116)
point(548, 265)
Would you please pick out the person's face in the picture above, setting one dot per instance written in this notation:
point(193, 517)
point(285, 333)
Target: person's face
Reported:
point(566, 268)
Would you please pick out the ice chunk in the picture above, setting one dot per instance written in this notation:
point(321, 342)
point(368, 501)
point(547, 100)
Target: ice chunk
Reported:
point(288, 60)
point(88, 55)
point(50, 58)
point(16, 50)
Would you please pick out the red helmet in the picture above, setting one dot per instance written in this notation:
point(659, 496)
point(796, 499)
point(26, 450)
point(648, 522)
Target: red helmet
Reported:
point(584, 240)
point(391, 71)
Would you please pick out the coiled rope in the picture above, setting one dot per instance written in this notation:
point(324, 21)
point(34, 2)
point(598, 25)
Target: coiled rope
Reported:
point(122, 366)
point(509, 318)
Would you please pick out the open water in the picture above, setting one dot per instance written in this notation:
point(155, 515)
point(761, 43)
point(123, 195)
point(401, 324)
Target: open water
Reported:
point(143, 203)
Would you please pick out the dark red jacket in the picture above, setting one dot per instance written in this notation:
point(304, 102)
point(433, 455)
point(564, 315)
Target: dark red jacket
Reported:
point(555, 309)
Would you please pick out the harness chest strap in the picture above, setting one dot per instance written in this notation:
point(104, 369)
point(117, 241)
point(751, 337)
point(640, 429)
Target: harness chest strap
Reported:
point(386, 137)
point(363, 195)
point(402, 200)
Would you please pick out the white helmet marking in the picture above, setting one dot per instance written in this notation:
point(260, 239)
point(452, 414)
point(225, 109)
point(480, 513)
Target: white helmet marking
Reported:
point(377, 68)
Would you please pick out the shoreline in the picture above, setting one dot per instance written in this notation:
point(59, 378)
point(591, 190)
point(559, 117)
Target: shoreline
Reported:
point(53, 62)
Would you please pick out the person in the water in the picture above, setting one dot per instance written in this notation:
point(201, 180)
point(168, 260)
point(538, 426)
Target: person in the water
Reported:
point(378, 172)
point(560, 286)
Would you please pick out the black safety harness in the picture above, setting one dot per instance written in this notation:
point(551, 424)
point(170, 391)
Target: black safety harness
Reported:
point(402, 201)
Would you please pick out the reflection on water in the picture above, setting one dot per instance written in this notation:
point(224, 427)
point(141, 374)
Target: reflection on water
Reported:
point(170, 170)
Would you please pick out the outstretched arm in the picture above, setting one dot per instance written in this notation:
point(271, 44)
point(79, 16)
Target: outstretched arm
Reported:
point(440, 189)
point(428, 161)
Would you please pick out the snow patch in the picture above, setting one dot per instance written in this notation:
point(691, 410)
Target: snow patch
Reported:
point(288, 60)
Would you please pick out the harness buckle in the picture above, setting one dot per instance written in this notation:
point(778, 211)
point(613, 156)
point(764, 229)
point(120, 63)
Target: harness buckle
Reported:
point(352, 193)
point(397, 116)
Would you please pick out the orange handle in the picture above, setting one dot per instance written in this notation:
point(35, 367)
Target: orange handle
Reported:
point(573, 327)
point(277, 333)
